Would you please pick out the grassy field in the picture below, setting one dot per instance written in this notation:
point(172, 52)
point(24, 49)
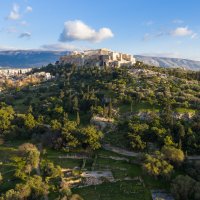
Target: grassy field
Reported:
point(122, 190)
point(147, 107)
point(122, 169)
point(137, 107)
point(7, 169)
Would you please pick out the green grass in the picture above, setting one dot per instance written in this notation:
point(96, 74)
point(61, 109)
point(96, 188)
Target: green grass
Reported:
point(185, 110)
point(7, 169)
point(53, 155)
point(9, 181)
point(122, 190)
point(66, 163)
point(121, 169)
point(103, 152)
point(152, 183)
point(143, 106)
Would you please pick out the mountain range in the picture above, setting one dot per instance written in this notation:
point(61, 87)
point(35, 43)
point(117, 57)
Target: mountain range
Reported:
point(169, 62)
point(33, 58)
point(28, 58)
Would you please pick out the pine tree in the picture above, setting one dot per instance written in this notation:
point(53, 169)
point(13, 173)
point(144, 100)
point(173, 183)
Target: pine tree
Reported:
point(62, 94)
point(181, 131)
point(88, 89)
point(131, 106)
point(180, 144)
point(75, 104)
point(104, 111)
point(65, 117)
point(30, 109)
point(110, 109)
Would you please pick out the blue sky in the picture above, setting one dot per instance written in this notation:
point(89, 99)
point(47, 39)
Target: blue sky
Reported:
point(151, 27)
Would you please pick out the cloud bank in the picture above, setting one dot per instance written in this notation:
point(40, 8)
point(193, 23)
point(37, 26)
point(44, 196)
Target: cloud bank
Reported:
point(177, 32)
point(7, 48)
point(77, 30)
point(59, 47)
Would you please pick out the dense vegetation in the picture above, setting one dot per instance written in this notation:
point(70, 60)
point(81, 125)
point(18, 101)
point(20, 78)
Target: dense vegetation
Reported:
point(148, 109)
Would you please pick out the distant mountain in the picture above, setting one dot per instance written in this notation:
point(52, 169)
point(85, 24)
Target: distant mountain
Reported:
point(169, 62)
point(34, 58)
point(28, 58)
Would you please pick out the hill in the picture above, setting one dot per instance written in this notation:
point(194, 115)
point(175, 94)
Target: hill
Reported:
point(84, 131)
point(169, 62)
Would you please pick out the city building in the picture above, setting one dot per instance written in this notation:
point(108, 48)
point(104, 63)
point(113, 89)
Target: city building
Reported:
point(99, 58)
point(14, 71)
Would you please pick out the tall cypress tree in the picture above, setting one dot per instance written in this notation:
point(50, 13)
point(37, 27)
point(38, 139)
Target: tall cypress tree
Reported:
point(78, 118)
point(110, 109)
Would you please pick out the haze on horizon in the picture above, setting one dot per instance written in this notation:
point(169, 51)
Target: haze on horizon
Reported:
point(167, 28)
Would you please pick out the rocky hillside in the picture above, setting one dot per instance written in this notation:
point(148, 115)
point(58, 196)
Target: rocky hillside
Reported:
point(170, 62)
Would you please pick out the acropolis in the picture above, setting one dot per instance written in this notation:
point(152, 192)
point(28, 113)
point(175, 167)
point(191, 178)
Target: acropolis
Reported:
point(99, 58)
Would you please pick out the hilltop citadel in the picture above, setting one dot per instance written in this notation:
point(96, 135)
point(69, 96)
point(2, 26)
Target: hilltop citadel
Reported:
point(98, 57)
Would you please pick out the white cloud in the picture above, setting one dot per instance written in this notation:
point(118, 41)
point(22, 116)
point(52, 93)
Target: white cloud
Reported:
point(23, 23)
point(14, 13)
point(59, 47)
point(25, 35)
point(178, 21)
point(182, 31)
point(29, 9)
point(77, 30)
point(178, 32)
point(149, 36)
point(149, 23)
point(11, 29)
point(194, 36)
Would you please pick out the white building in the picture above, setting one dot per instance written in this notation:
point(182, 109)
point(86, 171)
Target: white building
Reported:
point(14, 71)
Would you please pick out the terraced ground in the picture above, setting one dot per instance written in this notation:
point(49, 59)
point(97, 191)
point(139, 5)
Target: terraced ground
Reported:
point(131, 182)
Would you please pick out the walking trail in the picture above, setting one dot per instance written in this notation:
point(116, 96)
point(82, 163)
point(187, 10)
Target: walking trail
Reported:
point(120, 151)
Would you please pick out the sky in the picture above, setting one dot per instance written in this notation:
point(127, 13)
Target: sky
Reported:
point(169, 28)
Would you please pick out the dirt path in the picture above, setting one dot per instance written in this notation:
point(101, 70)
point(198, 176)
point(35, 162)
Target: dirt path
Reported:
point(120, 150)
point(135, 154)
point(193, 157)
